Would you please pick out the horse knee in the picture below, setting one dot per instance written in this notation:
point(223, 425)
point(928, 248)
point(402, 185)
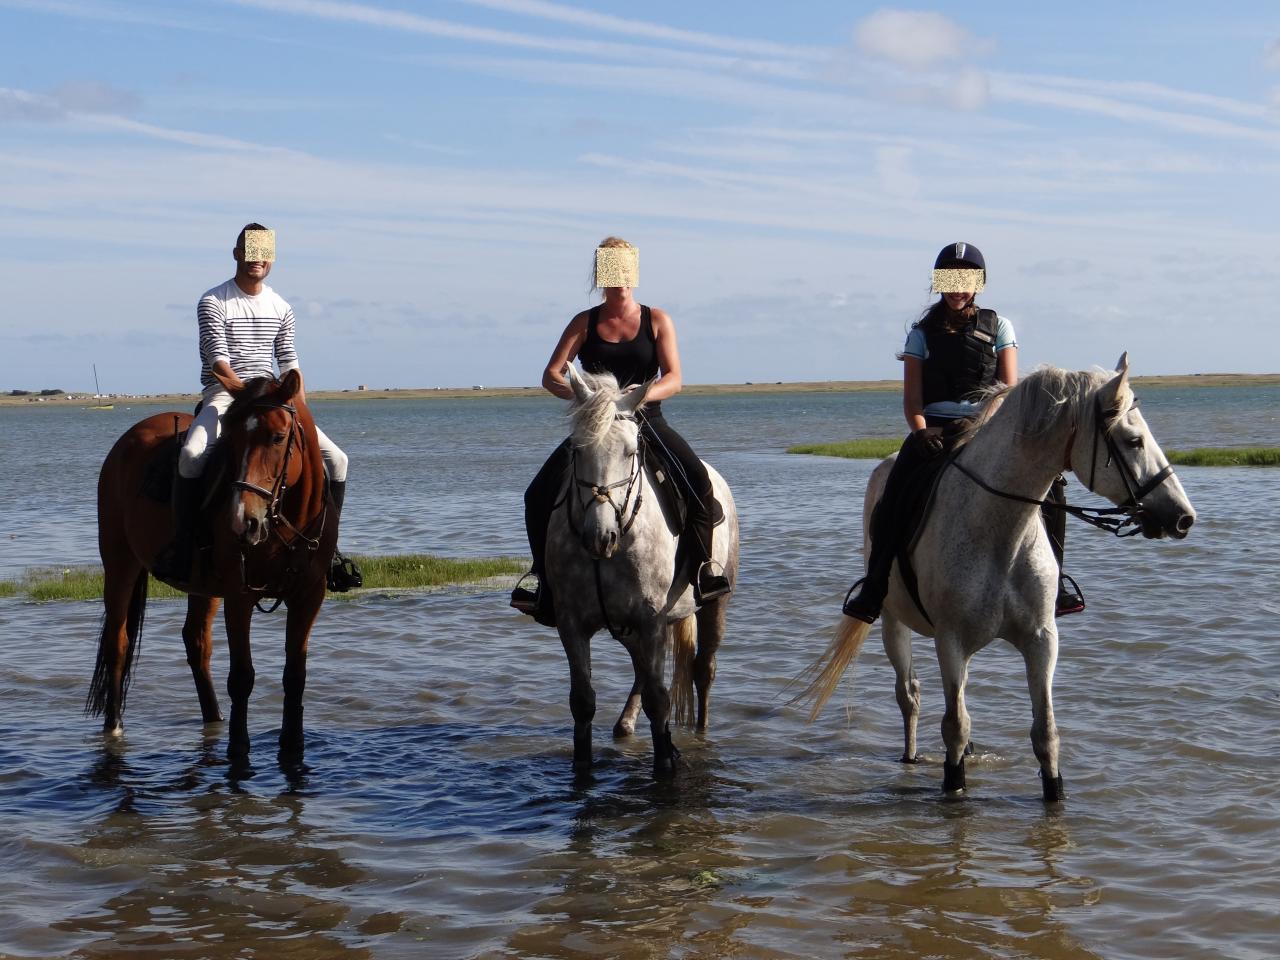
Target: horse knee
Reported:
point(582, 704)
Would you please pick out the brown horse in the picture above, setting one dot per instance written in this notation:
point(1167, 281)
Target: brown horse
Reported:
point(272, 533)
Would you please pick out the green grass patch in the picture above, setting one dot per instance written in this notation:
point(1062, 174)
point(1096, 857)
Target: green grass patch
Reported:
point(869, 448)
point(1226, 457)
point(407, 572)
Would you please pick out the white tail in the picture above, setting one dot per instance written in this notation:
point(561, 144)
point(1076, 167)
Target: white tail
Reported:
point(684, 645)
point(825, 672)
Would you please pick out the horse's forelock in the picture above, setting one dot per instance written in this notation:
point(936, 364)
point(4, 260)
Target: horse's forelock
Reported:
point(255, 391)
point(593, 418)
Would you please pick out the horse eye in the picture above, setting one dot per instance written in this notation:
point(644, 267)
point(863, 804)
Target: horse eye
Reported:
point(1136, 442)
point(277, 438)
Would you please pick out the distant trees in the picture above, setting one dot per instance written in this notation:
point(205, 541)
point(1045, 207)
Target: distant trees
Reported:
point(44, 393)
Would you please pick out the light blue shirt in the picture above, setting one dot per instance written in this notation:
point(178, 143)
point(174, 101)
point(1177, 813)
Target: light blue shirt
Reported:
point(917, 347)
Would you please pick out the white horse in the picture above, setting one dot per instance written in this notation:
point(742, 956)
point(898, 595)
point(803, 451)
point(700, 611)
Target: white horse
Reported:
point(982, 557)
point(611, 562)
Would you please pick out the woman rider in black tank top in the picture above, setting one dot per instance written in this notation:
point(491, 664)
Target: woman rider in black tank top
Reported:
point(633, 360)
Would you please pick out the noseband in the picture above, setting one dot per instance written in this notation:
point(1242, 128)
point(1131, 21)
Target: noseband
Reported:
point(278, 488)
point(602, 492)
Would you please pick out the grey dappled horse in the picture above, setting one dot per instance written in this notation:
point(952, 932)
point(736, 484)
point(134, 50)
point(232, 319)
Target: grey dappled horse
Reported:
point(611, 562)
point(982, 557)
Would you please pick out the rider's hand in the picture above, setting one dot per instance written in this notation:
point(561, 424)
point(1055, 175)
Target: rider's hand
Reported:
point(929, 441)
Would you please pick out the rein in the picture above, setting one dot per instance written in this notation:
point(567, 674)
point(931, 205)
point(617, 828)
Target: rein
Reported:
point(601, 493)
point(275, 518)
point(1120, 520)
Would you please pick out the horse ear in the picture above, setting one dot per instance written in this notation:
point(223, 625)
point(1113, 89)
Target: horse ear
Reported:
point(630, 401)
point(580, 388)
point(1122, 365)
point(1115, 394)
point(290, 385)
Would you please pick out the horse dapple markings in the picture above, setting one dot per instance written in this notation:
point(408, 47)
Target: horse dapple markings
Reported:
point(982, 557)
point(611, 562)
point(273, 537)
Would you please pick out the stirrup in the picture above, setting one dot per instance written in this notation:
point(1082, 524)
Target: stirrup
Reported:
point(716, 585)
point(1068, 600)
point(852, 606)
point(343, 574)
point(524, 599)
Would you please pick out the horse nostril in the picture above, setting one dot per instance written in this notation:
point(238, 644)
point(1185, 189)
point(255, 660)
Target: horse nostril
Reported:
point(1185, 521)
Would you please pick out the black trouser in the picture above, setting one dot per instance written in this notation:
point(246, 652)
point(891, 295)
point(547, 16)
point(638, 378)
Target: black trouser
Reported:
point(685, 466)
point(1055, 521)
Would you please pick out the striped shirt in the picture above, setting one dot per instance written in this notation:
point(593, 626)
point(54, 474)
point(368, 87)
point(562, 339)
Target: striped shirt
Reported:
point(247, 332)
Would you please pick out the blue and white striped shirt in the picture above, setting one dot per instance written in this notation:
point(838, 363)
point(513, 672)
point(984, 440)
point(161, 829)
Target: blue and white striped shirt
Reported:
point(247, 332)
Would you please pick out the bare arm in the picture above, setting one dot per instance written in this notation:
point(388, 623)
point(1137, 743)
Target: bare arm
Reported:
point(566, 350)
point(664, 335)
point(224, 368)
point(1007, 366)
point(913, 392)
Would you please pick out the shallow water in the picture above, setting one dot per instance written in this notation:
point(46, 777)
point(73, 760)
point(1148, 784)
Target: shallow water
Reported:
point(438, 814)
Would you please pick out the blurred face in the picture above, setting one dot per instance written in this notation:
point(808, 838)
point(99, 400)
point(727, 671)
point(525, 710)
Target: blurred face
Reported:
point(958, 301)
point(254, 270)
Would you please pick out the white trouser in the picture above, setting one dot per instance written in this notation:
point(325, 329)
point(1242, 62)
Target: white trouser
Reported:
point(207, 427)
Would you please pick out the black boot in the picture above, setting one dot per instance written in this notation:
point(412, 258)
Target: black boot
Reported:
point(173, 563)
point(709, 580)
point(538, 602)
point(1069, 599)
point(343, 573)
point(872, 588)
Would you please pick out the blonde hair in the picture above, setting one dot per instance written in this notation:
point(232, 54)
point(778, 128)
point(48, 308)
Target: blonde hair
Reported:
point(606, 243)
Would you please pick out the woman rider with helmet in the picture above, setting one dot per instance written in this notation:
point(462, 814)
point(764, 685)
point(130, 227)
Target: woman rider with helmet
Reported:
point(635, 343)
point(953, 351)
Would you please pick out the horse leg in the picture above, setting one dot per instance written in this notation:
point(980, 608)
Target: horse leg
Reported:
point(237, 613)
point(955, 721)
point(125, 599)
point(626, 724)
point(197, 636)
point(710, 632)
point(1041, 657)
point(897, 646)
point(582, 696)
point(647, 649)
point(302, 616)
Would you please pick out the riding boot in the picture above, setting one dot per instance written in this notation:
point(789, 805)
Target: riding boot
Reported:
point(710, 581)
point(865, 606)
point(343, 573)
point(1069, 599)
point(174, 562)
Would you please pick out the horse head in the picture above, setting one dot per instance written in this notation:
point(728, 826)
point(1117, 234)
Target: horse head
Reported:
point(265, 436)
point(606, 461)
point(1115, 455)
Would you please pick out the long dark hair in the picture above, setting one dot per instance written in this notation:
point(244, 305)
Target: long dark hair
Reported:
point(939, 316)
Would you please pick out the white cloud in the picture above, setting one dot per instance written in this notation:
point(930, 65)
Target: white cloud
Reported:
point(1271, 56)
point(916, 40)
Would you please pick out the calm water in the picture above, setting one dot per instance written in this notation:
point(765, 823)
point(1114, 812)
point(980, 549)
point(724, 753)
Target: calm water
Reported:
point(439, 816)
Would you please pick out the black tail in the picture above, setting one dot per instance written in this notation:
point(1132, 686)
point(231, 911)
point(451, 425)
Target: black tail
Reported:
point(96, 702)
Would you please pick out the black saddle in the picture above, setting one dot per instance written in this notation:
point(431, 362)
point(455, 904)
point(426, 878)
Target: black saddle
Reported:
point(673, 495)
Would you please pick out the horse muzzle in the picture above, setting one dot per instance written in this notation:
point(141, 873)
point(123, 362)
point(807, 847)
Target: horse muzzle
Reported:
point(600, 544)
point(250, 526)
point(1156, 526)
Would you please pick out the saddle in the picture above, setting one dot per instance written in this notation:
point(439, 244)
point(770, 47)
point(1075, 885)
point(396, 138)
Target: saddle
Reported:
point(673, 497)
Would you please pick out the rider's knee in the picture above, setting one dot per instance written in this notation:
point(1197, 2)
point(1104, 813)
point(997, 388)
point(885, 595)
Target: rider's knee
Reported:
point(192, 457)
point(335, 462)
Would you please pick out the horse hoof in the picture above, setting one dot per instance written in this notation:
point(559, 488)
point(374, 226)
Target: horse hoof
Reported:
point(237, 751)
point(621, 732)
point(1053, 792)
point(664, 769)
point(581, 764)
point(909, 759)
point(953, 777)
point(968, 749)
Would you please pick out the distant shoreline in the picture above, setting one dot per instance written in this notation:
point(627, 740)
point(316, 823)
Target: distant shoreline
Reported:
point(185, 401)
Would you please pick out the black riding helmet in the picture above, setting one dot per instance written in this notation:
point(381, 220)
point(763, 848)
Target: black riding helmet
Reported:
point(960, 256)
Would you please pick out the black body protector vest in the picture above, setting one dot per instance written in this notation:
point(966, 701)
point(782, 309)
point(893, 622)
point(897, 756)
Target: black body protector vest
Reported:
point(960, 364)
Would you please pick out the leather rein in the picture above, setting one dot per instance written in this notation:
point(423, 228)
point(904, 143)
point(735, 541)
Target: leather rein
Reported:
point(602, 493)
point(1122, 520)
point(274, 496)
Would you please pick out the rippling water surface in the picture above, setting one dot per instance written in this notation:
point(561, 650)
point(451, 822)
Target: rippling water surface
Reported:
point(438, 815)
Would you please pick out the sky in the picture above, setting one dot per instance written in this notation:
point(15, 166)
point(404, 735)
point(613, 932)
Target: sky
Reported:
point(439, 173)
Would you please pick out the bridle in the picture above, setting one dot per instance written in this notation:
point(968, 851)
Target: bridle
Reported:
point(603, 492)
point(275, 495)
point(1123, 520)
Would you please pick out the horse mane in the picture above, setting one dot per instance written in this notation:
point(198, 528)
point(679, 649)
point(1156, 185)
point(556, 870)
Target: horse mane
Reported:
point(593, 419)
point(1041, 400)
point(254, 391)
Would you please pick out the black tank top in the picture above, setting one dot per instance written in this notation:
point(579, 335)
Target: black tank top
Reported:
point(630, 361)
